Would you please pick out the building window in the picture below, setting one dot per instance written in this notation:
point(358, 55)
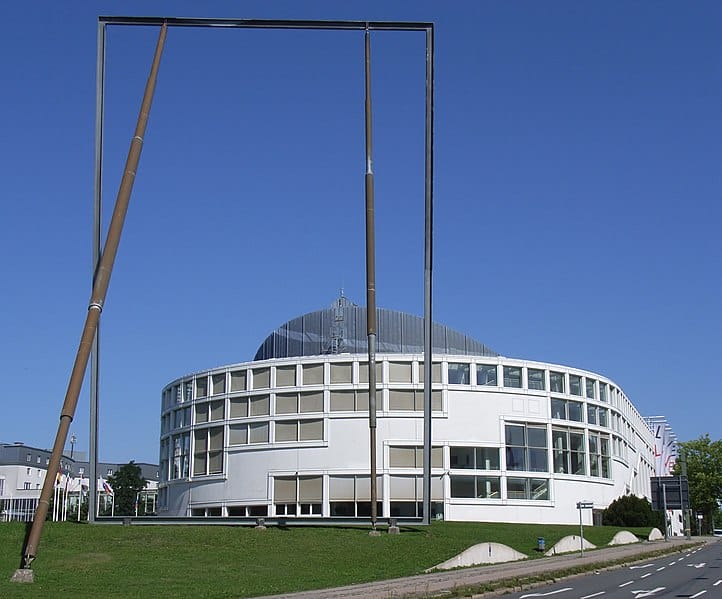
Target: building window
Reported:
point(526, 447)
point(238, 380)
point(406, 494)
point(341, 373)
point(475, 458)
point(458, 374)
point(208, 451)
point(400, 372)
point(244, 434)
point(512, 376)
point(181, 455)
point(255, 405)
point(28, 458)
point(435, 372)
point(286, 376)
point(350, 496)
point(109, 472)
point(299, 430)
point(535, 379)
point(202, 386)
point(26, 486)
point(556, 382)
point(568, 451)
point(476, 487)
point(575, 384)
point(412, 400)
point(298, 496)
point(81, 471)
point(413, 457)
point(219, 383)
point(313, 374)
point(589, 387)
point(603, 391)
point(599, 459)
point(295, 403)
point(349, 401)
point(486, 375)
point(182, 417)
point(563, 409)
point(261, 378)
point(527, 488)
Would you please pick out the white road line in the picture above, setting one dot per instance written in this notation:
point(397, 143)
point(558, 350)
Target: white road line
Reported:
point(660, 569)
point(697, 594)
point(672, 563)
point(545, 594)
point(643, 593)
point(624, 584)
point(717, 583)
point(638, 567)
point(593, 595)
point(645, 575)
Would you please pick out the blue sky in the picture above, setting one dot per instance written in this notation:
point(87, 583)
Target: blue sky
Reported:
point(577, 194)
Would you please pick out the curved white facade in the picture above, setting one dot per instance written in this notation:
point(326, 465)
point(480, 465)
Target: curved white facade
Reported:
point(512, 440)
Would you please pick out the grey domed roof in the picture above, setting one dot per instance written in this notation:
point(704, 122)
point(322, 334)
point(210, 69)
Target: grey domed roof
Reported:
point(342, 329)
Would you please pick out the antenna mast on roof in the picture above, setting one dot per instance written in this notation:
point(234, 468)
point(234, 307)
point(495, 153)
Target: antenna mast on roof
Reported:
point(338, 328)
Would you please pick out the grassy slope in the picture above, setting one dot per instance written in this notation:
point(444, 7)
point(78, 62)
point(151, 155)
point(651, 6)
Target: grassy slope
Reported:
point(219, 561)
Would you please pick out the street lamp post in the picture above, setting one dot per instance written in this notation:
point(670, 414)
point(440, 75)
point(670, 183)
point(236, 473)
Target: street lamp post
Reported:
point(73, 439)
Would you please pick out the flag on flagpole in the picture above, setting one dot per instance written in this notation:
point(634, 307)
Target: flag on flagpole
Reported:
point(107, 488)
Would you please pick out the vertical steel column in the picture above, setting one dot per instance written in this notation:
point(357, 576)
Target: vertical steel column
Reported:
point(428, 263)
point(97, 219)
point(97, 299)
point(370, 278)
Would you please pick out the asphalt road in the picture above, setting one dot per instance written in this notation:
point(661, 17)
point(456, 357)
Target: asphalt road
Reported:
point(696, 573)
point(449, 583)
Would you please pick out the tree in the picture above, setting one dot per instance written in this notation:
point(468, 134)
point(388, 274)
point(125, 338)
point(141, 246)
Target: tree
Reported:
point(630, 510)
point(704, 473)
point(127, 483)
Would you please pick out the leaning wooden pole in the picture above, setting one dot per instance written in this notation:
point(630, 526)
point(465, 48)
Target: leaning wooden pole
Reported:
point(370, 282)
point(97, 298)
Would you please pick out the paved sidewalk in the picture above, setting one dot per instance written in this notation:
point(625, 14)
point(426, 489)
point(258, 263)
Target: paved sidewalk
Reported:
point(437, 583)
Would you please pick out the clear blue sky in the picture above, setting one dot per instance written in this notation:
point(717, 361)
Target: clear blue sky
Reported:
point(577, 194)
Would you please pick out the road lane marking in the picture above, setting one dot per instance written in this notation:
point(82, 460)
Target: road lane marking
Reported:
point(593, 595)
point(545, 594)
point(624, 584)
point(699, 565)
point(716, 583)
point(660, 569)
point(638, 567)
point(697, 594)
point(645, 575)
point(643, 593)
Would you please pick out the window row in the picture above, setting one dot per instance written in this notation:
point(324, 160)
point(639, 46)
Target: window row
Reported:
point(299, 403)
point(489, 487)
point(389, 372)
point(568, 409)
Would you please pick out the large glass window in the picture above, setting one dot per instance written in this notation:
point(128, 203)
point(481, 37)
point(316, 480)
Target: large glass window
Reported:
point(575, 384)
point(208, 451)
point(202, 386)
point(363, 373)
point(527, 488)
point(299, 430)
point(486, 374)
point(458, 373)
point(590, 387)
point(603, 391)
point(261, 378)
point(435, 372)
point(477, 487)
point(295, 403)
point(599, 456)
point(556, 382)
point(219, 383)
point(350, 401)
point(526, 447)
point(244, 434)
point(535, 379)
point(512, 376)
point(563, 409)
point(475, 458)
point(568, 451)
point(298, 496)
point(181, 447)
point(238, 380)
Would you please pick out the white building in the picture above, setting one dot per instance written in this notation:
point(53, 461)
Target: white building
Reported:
point(22, 473)
point(287, 433)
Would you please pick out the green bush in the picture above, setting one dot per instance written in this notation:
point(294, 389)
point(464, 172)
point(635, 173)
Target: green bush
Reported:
point(630, 510)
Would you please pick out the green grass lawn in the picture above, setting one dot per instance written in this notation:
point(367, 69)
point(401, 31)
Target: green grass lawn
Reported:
point(79, 560)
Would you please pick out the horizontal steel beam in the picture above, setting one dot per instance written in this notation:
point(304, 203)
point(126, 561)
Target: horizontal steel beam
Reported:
point(252, 521)
point(266, 23)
